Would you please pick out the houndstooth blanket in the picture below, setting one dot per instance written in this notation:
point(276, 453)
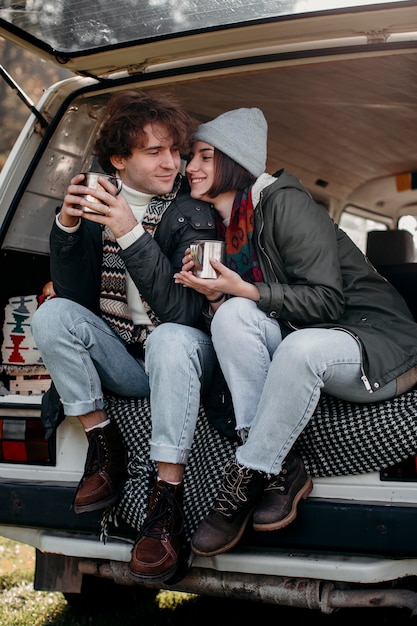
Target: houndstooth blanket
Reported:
point(342, 438)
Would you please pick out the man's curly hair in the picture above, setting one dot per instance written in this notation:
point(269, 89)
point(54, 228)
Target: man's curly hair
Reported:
point(128, 113)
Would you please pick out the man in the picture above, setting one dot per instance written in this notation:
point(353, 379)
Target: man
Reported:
point(112, 271)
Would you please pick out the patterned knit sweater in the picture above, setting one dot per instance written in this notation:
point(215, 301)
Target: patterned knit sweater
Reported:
point(122, 307)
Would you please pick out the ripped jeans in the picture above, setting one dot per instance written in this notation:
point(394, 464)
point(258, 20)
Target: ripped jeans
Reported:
point(276, 383)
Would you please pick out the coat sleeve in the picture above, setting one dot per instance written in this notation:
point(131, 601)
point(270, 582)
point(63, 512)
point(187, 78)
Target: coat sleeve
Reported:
point(76, 264)
point(300, 240)
point(153, 261)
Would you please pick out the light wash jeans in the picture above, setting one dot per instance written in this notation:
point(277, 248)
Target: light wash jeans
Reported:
point(83, 355)
point(276, 383)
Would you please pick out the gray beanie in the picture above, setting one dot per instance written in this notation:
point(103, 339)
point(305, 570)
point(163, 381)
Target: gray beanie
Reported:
point(241, 134)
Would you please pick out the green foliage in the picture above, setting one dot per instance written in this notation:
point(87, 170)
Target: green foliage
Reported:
point(16, 563)
point(20, 605)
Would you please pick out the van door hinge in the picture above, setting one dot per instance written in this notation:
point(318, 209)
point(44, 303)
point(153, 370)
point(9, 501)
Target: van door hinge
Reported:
point(27, 101)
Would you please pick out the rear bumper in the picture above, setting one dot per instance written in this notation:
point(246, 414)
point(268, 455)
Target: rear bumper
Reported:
point(322, 526)
point(250, 561)
point(43, 505)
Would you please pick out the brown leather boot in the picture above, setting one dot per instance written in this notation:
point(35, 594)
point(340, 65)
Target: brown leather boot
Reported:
point(161, 550)
point(226, 521)
point(105, 470)
point(278, 506)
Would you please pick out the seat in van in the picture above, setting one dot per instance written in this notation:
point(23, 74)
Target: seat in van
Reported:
point(391, 252)
point(390, 247)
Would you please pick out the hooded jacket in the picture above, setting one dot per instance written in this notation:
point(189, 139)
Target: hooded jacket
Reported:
point(315, 276)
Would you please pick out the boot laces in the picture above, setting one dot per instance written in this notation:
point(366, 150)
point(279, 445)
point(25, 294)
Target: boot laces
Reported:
point(159, 521)
point(97, 455)
point(233, 492)
point(278, 482)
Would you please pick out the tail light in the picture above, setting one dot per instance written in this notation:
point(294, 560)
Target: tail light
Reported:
point(22, 437)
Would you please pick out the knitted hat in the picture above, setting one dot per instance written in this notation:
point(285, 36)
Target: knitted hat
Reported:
point(241, 134)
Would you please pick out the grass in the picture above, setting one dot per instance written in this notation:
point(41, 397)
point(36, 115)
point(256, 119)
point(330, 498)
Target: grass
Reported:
point(21, 605)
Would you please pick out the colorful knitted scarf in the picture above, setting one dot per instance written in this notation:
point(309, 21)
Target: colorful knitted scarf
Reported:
point(113, 301)
point(240, 253)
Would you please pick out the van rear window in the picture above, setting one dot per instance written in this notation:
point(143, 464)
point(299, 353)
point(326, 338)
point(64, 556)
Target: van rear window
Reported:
point(82, 25)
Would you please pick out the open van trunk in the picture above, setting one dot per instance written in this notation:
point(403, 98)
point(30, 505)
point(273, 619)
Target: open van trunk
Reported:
point(337, 85)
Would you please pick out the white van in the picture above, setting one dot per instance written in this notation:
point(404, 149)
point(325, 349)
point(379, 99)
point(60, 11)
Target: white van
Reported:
point(337, 84)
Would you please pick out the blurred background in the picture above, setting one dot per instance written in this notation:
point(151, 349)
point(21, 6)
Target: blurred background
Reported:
point(33, 76)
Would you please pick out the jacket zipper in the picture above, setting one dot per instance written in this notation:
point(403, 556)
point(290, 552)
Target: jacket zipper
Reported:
point(364, 377)
point(261, 248)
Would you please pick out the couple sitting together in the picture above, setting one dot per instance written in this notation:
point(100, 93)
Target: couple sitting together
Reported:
point(296, 310)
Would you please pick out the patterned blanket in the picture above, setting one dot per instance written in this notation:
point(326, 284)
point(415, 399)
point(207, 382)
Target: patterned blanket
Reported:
point(342, 438)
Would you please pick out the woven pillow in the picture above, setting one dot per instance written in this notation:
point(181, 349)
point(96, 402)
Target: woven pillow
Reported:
point(18, 349)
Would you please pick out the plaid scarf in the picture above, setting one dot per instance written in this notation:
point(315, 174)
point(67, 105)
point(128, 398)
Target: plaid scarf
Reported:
point(113, 300)
point(240, 253)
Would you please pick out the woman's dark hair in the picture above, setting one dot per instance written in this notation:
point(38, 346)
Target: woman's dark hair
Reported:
point(128, 113)
point(228, 175)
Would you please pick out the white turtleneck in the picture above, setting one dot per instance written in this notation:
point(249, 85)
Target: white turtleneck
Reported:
point(138, 202)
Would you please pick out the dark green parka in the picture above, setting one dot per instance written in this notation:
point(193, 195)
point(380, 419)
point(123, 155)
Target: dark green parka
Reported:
point(315, 276)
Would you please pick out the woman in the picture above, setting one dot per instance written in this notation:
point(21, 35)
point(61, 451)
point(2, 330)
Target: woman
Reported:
point(309, 314)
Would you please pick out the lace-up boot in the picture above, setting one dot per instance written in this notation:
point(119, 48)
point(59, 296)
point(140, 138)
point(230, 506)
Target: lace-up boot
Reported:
point(161, 549)
point(104, 472)
point(224, 525)
point(278, 506)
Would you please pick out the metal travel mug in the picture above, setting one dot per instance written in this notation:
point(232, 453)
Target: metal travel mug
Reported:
point(91, 180)
point(201, 253)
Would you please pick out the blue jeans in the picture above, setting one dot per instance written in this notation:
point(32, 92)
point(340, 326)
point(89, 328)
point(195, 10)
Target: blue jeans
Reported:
point(82, 354)
point(276, 383)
